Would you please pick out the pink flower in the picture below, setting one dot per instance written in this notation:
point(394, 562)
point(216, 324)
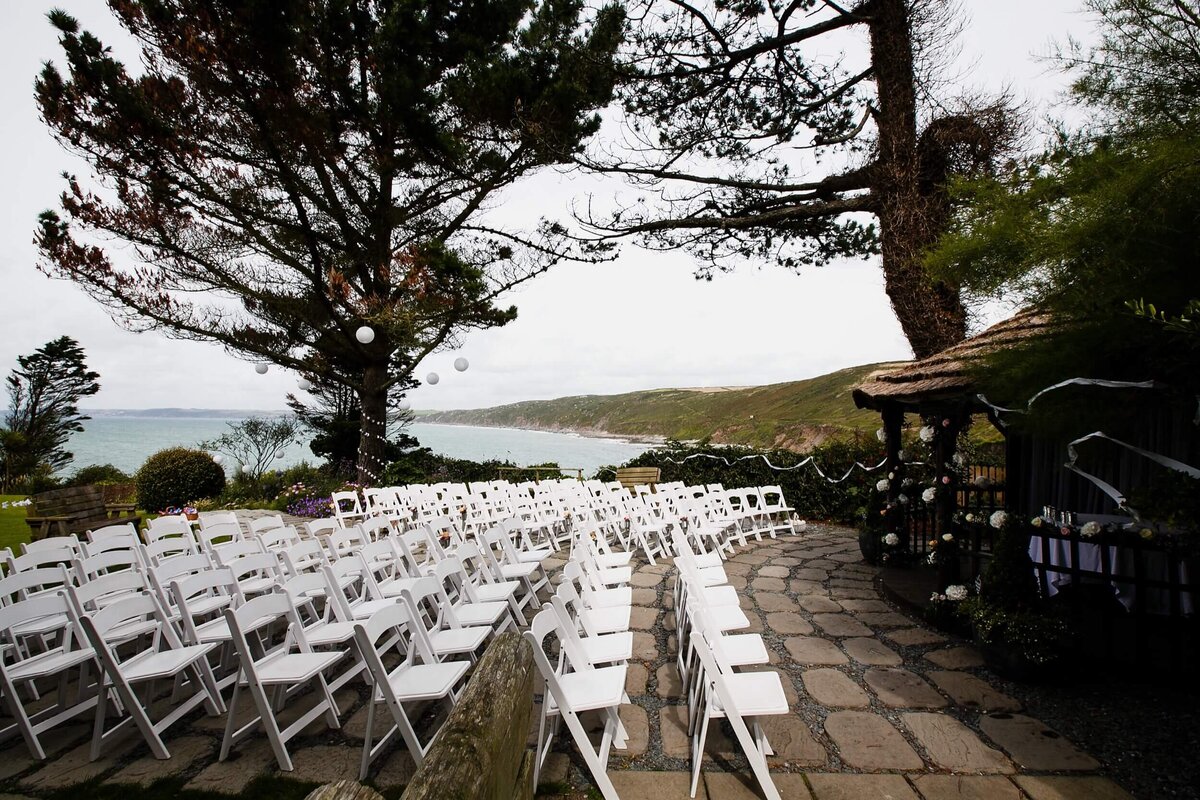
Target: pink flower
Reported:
point(946, 479)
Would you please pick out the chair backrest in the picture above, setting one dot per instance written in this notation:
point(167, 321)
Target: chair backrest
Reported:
point(262, 524)
point(344, 541)
point(103, 589)
point(89, 567)
point(122, 530)
point(428, 608)
point(209, 518)
point(320, 527)
point(44, 606)
point(263, 565)
point(278, 538)
point(42, 558)
point(19, 585)
point(188, 591)
point(52, 543)
point(347, 507)
point(118, 540)
point(215, 533)
point(304, 556)
point(103, 627)
point(168, 546)
point(396, 622)
point(224, 553)
point(169, 525)
point(375, 528)
point(256, 614)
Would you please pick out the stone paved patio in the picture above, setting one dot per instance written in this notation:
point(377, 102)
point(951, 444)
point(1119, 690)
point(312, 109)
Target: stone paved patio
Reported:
point(881, 707)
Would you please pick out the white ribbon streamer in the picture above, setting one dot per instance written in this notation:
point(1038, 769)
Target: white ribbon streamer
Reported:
point(767, 461)
point(1109, 489)
point(1106, 384)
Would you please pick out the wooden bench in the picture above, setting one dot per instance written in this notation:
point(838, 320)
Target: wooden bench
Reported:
point(630, 477)
point(78, 509)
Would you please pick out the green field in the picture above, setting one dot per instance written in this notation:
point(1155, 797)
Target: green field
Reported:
point(792, 415)
point(13, 529)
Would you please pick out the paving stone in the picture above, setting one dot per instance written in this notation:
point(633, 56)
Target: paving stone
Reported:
point(185, 751)
point(972, 692)
point(743, 786)
point(847, 558)
point(669, 684)
point(645, 580)
point(556, 771)
point(756, 623)
point(398, 769)
point(791, 740)
point(871, 606)
point(661, 568)
point(635, 678)
point(868, 741)
point(956, 657)
point(839, 593)
point(789, 623)
point(676, 742)
point(772, 601)
point(768, 584)
point(823, 563)
point(745, 602)
point(736, 581)
point(899, 688)
point(76, 766)
point(786, 561)
point(326, 763)
point(805, 587)
point(965, 787)
point(1060, 787)
point(668, 601)
point(637, 726)
point(644, 646)
point(884, 619)
point(672, 644)
point(810, 574)
point(868, 650)
point(774, 571)
point(1033, 745)
point(814, 650)
point(840, 625)
point(818, 604)
point(642, 618)
point(833, 689)
point(753, 559)
point(860, 787)
point(249, 760)
point(13, 762)
point(644, 597)
point(737, 568)
point(907, 637)
point(654, 785)
point(953, 746)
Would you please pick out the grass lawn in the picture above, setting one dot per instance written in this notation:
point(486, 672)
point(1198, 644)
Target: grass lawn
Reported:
point(13, 529)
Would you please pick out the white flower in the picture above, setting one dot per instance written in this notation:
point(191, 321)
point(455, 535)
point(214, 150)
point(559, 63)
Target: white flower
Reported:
point(969, 518)
point(902, 455)
point(947, 537)
point(882, 485)
point(982, 481)
point(933, 598)
point(891, 540)
point(1036, 522)
point(929, 494)
point(1146, 533)
point(881, 435)
point(1089, 529)
point(998, 519)
point(958, 459)
point(902, 499)
point(927, 433)
point(956, 592)
point(891, 476)
point(906, 483)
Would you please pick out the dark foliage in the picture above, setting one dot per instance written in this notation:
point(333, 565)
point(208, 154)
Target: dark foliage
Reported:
point(177, 476)
point(98, 474)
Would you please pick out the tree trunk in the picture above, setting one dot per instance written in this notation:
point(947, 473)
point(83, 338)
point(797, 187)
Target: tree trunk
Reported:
point(372, 439)
point(931, 315)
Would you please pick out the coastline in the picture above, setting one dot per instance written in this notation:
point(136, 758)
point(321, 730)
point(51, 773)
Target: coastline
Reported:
point(583, 433)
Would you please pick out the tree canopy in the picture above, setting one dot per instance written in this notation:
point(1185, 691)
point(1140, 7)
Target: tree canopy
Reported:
point(288, 171)
point(1100, 228)
point(44, 393)
point(801, 131)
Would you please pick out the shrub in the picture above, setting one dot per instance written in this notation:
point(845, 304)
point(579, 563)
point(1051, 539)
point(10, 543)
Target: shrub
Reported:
point(98, 474)
point(177, 476)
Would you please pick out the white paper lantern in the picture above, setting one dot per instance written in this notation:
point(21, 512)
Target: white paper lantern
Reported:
point(261, 369)
point(279, 456)
point(365, 334)
point(432, 378)
point(305, 384)
point(461, 364)
point(404, 405)
point(218, 458)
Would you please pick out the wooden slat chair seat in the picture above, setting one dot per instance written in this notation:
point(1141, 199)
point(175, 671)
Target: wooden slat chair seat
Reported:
point(629, 477)
point(75, 510)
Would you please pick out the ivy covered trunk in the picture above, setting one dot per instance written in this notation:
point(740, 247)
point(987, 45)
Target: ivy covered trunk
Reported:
point(372, 444)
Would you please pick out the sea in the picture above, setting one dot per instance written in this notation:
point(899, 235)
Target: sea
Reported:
point(125, 441)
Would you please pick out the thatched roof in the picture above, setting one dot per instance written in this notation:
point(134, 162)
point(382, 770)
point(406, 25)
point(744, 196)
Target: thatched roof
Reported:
point(944, 375)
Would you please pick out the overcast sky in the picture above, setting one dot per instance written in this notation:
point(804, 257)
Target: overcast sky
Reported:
point(641, 322)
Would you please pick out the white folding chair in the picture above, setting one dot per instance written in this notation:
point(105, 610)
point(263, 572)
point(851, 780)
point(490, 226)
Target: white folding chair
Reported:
point(168, 526)
point(51, 543)
point(436, 624)
point(18, 672)
point(347, 508)
point(306, 556)
point(408, 682)
point(279, 538)
point(166, 658)
point(567, 694)
point(264, 524)
point(215, 534)
point(275, 669)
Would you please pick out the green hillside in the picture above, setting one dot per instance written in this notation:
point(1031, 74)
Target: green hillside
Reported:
point(793, 415)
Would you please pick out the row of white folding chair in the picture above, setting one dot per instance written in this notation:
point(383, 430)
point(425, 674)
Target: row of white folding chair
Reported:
point(589, 675)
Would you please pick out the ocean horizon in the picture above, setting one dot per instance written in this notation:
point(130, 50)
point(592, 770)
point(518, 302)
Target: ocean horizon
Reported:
point(125, 438)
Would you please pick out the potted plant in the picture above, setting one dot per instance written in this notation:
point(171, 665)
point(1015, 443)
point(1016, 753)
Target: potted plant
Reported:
point(1017, 635)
